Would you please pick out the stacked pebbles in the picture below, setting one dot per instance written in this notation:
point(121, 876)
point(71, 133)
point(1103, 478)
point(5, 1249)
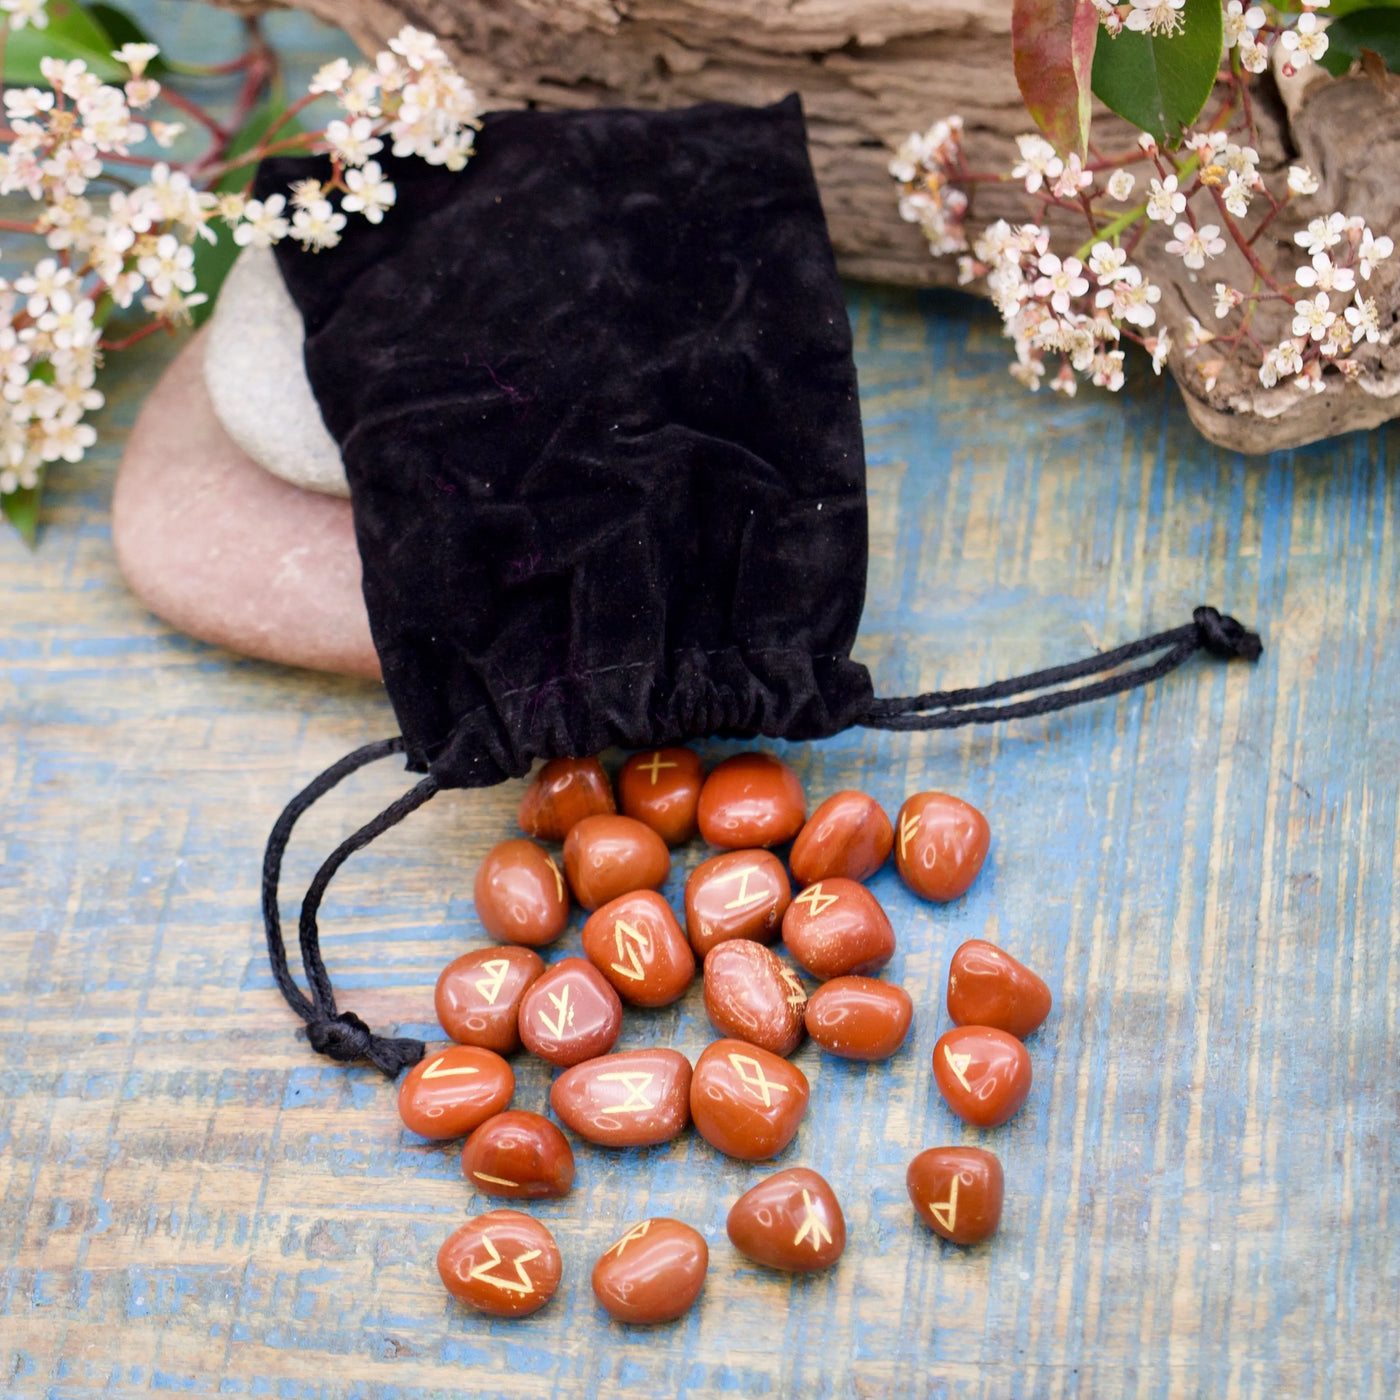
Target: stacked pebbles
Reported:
point(742, 1095)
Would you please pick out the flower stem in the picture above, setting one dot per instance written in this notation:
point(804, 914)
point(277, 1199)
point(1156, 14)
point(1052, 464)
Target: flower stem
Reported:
point(150, 329)
point(1110, 230)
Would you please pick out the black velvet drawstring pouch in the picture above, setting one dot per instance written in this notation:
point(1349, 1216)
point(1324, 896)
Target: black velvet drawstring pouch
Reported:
point(597, 406)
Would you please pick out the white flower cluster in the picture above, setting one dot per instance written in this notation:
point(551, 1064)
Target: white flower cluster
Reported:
point(923, 165)
point(1326, 329)
point(107, 250)
point(1051, 307)
point(412, 98)
point(1250, 30)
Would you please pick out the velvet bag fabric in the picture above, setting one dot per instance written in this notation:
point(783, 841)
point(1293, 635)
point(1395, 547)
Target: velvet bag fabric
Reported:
point(598, 411)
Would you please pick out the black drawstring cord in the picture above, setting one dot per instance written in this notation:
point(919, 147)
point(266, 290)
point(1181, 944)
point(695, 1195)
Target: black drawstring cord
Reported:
point(342, 1036)
point(1209, 630)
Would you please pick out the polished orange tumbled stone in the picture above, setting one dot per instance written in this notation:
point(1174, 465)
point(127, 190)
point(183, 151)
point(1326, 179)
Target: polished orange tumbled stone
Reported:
point(752, 799)
point(570, 1014)
point(940, 844)
point(837, 928)
point(662, 788)
point(988, 987)
point(741, 894)
point(563, 792)
point(859, 1018)
point(520, 894)
point(636, 943)
point(746, 1102)
point(503, 1263)
point(957, 1192)
point(751, 994)
point(518, 1154)
point(654, 1273)
point(478, 996)
point(608, 856)
point(636, 1098)
point(790, 1220)
point(983, 1073)
point(848, 836)
point(448, 1094)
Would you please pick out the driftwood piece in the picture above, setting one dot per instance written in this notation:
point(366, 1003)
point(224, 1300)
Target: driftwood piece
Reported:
point(869, 72)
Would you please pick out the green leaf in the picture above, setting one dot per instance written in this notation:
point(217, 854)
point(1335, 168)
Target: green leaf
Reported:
point(1374, 28)
point(1161, 82)
point(72, 33)
point(122, 29)
point(21, 509)
point(1052, 50)
point(213, 260)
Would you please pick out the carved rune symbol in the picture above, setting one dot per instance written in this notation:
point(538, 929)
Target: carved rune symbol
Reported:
point(958, 1064)
point(815, 900)
point(635, 1082)
point(946, 1212)
point(799, 993)
point(635, 1233)
point(655, 766)
point(563, 1014)
point(751, 1074)
point(907, 827)
point(558, 878)
point(498, 969)
point(743, 898)
point(625, 949)
point(813, 1228)
point(434, 1070)
point(525, 1283)
point(495, 1180)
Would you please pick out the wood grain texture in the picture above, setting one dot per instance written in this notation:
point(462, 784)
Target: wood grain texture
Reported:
point(1203, 1191)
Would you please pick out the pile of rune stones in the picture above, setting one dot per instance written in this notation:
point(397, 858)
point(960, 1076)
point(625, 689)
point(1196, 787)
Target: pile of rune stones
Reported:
point(743, 1095)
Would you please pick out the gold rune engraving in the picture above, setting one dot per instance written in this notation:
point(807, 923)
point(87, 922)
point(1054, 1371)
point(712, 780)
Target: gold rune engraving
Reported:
point(635, 1233)
point(743, 898)
point(433, 1072)
point(946, 1212)
point(563, 1015)
point(558, 878)
point(751, 1074)
point(490, 986)
point(495, 1180)
point(815, 900)
point(634, 1082)
point(639, 941)
point(799, 992)
point(958, 1064)
point(655, 766)
point(524, 1283)
point(907, 827)
point(813, 1228)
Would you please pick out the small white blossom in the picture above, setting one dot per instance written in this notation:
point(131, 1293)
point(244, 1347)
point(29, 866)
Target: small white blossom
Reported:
point(359, 96)
point(141, 92)
point(1306, 41)
point(1072, 179)
point(1131, 298)
point(1240, 23)
point(1312, 318)
point(317, 225)
point(47, 282)
point(1226, 299)
point(66, 440)
point(166, 134)
point(1254, 56)
point(1237, 195)
point(1108, 369)
point(22, 103)
point(136, 57)
point(417, 47)
point(1039, 163)
point(370, 193)
point(1159, 347)
point(1107, 263)
point(1060, 281)
point(330, 77)
point(171, 265)
point(1325, 276)
point(1120, 185)
point(1155, 16)
point(1164, 200)
point(1301, 180)
point(1321, 234)
point(174, 307)
point(1364, 319)
point(1196, 334)
point(354, 142)
point(1196, 245)
point(22, 12)
point(264, 223)
point(1371, 250)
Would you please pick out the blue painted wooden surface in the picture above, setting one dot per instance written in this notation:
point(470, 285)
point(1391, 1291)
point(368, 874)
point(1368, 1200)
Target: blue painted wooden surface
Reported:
point(1203, 1191)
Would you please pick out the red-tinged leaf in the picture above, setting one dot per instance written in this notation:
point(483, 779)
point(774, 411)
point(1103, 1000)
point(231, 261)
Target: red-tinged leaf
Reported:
point(1052, 48)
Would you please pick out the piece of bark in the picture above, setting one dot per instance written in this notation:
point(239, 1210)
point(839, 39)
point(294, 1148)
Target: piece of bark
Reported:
point(871, 71)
